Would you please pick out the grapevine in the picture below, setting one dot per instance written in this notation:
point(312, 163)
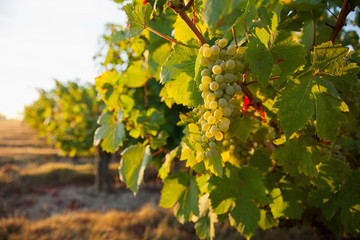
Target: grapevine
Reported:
point(249, 110)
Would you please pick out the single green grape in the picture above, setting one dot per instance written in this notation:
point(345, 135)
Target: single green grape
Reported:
point(223, 126)
point(215, 50)
point(200, 156)
point(223, 102)
point(205, 126)
point(211, 120)
point(210, 97)
point(208, 134)
point(216, 69)
point(208, 154)
point(218, 93)
point(205, 72)
point(237, 88)
point(219, 78)
point(218, 113)
point(225, 120)
point(206, 80)
point(230, 90)
point(218, 62)
point(227, 111)
point(223, 86)
point(228, 77)
point(213, 129)
point(213, 105)
point(230, 64)
point(219, 136)
point(207, 52)
point(231, 50)
point(222, 43)
point(212, 145)
point(239, 65)
point(214, 86)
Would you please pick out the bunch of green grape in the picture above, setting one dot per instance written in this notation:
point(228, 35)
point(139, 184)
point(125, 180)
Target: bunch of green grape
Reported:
point(222, 69)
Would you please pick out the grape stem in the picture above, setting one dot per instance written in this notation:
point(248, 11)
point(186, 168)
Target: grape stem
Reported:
point(314, 34)
point(180, 10)
point(234, 35)
point(161, 150)
point(246, 31)
point(257, 105)
point(346, 8)
point(161, 35)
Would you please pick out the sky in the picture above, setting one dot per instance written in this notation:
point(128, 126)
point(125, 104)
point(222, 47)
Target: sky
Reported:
point(43, 40)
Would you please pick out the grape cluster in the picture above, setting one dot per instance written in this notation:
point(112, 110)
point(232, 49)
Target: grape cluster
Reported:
point(222, 68)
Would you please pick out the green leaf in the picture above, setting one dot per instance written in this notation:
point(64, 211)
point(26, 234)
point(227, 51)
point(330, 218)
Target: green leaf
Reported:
point(295, 104)
point(204, 227)
point(243, 183)
point(133, 164)
point(188, 202)
point(182, 31)
point(286, 52)
point(111, 133)
point(267, 220)
point(178, 74)
point(328, 117)
point(265, 50)
point(165, 167)
point(349, 202)
point(245, 217)
point(295, 157)
point(136, 75)
point(260, 60)
point(287, 202)
point(109, 86)
point(138, 17)
point(180, 64)
point(214, 165)
point(157, 58)
point(215, 10)
point(241, 127)
point(261, 161)
point(173, 189)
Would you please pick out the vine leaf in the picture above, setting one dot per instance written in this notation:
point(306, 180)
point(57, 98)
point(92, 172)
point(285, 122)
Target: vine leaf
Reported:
point(245, 217)
point(239, 187)
point(136, 75)
point(205, 228)
point(182, 190)
point(214, 10)
point(109, 86)
point(111, 133)
point(138, 17)
point(295, 104)
point(287, 201)
point(188, 202)
point(295, 157)
point(134, 160)
point(314, 90)
point(177, 74)
point(165, 167)
point(265, 50)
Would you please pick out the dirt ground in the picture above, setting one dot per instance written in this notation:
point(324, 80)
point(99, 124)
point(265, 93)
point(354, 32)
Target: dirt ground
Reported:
point(30, 201)
point(22, 147)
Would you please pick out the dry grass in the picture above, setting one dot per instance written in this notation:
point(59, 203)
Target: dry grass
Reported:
point(14, 178)
point(147, 223)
